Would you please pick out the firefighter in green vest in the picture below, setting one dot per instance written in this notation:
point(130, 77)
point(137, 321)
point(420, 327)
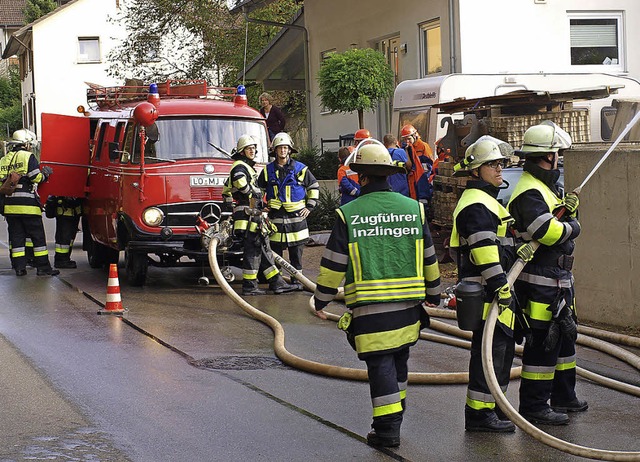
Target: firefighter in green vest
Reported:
point(22, 208)
point(382, 248)
point(249, 223)
point(482, 244)
point(545, 288)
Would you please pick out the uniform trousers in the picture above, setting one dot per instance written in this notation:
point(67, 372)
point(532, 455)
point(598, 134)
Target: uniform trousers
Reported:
point(478, 394)
point(66, 230)
point(388, 376)
point(22, 227)
point(547, 375)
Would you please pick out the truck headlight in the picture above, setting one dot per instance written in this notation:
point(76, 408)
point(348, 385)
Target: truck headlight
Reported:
point(152, 216)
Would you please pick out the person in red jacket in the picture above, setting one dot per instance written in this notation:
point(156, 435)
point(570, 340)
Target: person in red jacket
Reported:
point(421, 159)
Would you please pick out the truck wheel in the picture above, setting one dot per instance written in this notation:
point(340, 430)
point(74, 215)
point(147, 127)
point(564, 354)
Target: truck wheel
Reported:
point(97, 254)
point(136, 265)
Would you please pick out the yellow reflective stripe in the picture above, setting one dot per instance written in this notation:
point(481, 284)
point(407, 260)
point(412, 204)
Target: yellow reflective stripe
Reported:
point(240, 224)
point(538, 311)
point(22, 210)
point(271, 273)
point(387, 409)
point(479, 405)
point(432, 272)
point(403, 394)
point(420, 257)
point(293, 206)
point(354, 254)
point(387, 340)
point(485, 255)
point(553, 234)
point(536, 375)
point(313, 193)
point(387, 283)
point(407, 294)
point(40, 253)
point(329, 278)
point(566, 366)
point(18, 253)
point(241, 182)
point(249, 276)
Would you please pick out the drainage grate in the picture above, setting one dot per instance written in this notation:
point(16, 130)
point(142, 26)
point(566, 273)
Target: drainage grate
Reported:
point(240, 363)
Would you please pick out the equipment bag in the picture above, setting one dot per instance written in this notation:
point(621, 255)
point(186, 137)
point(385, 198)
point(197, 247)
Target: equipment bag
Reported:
point(11, 182)
point(50, 207)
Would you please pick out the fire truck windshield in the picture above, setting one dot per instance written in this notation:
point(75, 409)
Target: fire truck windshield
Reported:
point(179, 138)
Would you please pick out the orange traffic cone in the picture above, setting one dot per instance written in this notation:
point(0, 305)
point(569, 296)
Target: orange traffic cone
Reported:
point(114, 303)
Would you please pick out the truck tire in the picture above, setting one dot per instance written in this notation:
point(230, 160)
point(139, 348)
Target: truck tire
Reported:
point(100, 255)
point(136, 264)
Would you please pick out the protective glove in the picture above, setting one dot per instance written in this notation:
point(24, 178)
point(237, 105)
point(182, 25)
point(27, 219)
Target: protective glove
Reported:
point(552, 338)
point(46, 171)
point(571, 202)
point(568, 327)
point(504, 298)
point(525, 252)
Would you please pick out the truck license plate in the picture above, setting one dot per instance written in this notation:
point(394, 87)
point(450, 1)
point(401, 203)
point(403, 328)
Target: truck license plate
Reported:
point(205, 181)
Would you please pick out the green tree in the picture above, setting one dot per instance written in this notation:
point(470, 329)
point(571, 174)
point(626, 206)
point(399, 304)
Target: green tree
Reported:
point(34, 9)
point(10, 103)
point(355, 80)
point(190, 39)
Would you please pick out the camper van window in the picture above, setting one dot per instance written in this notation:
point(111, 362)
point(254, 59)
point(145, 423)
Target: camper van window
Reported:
point(419, 119)
point(596, 39)
point(182, 138)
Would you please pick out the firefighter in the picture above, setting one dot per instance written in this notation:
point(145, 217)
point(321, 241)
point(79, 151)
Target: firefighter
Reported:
point(382, 246)
point(292, 192)
point(22, 208)
point(545, 287)
point(482, 245)
point(420, 163)
point(249, 223)
point(67, 211)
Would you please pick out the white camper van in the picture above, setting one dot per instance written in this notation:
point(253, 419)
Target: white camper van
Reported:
point(414, 100)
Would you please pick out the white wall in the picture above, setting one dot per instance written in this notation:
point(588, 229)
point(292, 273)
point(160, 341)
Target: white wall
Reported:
point(59, 78)
point(522, 36)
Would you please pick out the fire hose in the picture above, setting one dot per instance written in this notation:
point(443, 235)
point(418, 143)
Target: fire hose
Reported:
point(487, 356)
point(422, 377)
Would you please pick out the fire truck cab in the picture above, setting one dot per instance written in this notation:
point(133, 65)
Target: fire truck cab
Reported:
point(148, 161)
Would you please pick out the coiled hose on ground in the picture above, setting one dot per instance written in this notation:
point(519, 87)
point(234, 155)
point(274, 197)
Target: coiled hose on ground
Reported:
point(450, 377)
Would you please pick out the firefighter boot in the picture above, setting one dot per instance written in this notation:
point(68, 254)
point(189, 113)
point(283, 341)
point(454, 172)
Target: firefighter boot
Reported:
point(546, 416)
point(65, 264)
point(250, 287)
point(47, 271)
point(278, 285)
point(577, 405)
point(385, 441)
point(486, 421)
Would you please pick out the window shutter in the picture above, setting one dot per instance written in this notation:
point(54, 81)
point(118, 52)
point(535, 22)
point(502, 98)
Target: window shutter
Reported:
point(594, 35)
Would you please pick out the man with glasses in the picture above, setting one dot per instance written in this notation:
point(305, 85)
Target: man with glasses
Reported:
point(483, 248)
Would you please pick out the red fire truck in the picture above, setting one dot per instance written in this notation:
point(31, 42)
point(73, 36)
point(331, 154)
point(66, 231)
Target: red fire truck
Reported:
point(147, 171)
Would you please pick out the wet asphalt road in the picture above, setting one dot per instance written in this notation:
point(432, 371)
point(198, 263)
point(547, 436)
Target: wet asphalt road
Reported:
point(188, 376)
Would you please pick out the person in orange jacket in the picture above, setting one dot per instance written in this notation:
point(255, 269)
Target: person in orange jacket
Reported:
point(421, 157)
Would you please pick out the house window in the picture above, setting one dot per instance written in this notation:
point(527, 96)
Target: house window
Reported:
point(430, 48)
point(596, 39)
point(88, 50)
point(324, 55)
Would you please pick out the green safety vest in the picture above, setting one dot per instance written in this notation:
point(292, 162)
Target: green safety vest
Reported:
point(380, 223)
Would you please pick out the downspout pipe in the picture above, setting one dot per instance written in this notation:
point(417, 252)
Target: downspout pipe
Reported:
point(307, 83)
point(452, 39)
